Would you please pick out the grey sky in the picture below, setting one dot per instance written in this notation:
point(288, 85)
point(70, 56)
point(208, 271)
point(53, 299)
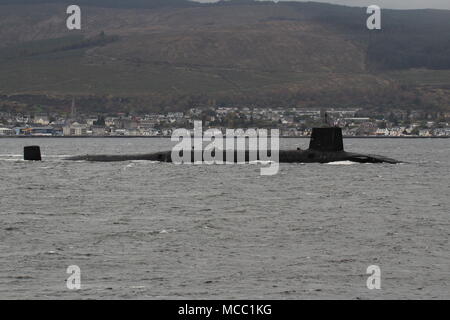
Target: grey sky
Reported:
point(390, 4)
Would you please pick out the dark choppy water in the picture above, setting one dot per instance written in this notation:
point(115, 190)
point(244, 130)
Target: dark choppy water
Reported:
point(154, 231)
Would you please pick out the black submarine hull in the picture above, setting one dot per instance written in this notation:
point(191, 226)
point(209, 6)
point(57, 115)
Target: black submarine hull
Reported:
point(326, 146)
point(285, 156)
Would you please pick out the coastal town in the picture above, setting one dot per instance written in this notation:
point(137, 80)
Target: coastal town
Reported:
point(292, 122)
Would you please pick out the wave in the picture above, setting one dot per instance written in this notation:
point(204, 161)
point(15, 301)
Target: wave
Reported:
point(342, 163)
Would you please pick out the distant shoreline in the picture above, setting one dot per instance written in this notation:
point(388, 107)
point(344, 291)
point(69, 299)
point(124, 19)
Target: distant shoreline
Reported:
point(168, 137)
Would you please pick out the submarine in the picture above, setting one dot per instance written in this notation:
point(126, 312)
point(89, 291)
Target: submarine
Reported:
point(326, 145)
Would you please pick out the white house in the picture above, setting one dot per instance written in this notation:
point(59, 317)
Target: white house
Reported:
point(75, 129)
point(6, 132)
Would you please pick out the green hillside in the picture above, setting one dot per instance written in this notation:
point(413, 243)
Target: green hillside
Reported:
point(152, 55)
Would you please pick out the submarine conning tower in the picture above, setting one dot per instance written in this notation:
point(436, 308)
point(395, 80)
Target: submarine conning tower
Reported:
point(326, 139)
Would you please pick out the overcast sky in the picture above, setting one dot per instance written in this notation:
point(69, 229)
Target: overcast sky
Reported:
point(390, 4)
